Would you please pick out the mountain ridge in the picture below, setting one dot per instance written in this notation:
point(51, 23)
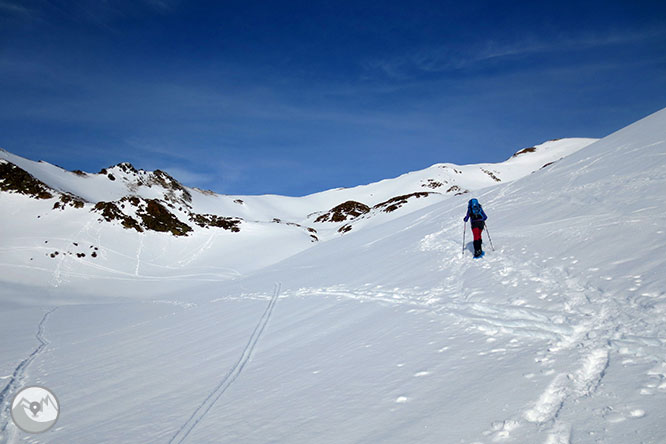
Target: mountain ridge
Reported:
point(117, 187)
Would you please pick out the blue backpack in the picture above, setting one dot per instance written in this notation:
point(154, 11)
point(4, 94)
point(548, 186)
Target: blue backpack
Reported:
point(474, 208)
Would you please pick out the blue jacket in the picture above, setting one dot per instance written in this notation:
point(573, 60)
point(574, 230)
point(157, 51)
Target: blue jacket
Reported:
point(469, 214)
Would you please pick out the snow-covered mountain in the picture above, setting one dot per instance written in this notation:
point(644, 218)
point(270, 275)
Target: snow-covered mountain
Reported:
point(388, 332)
point(124, 181)
point(68, 226)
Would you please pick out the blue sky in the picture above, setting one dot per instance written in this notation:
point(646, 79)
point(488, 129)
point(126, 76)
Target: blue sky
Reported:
point(294, 97)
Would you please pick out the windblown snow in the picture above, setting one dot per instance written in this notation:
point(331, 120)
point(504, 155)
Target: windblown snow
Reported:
point(351, 315)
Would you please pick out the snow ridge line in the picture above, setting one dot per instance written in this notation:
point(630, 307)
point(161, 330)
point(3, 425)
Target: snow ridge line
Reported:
point(231, 376)
point(19, 371)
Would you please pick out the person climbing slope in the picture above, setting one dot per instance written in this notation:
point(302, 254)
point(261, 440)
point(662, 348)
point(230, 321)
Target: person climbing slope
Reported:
point(477, 216)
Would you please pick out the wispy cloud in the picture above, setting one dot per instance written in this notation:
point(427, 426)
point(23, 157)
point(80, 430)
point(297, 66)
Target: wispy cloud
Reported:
point(443, 58)
point(14, 8)
point(157, 148)
point(102, 14)
point(189, 177)
point(162, 5)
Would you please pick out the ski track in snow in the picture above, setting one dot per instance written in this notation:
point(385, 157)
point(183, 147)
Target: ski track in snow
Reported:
point(57, 278)
point(231, 376)
point(18, 376)
point(63, 271)
point(139, 249)
point(194, 256)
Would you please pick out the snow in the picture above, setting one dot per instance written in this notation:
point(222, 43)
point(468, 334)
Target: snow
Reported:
point(387, 333)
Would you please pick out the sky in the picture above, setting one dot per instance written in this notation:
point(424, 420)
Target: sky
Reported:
point(295, 97)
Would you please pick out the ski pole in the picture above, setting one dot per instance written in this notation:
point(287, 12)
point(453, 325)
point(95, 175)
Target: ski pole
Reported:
point(488, 234)
point(464, 232)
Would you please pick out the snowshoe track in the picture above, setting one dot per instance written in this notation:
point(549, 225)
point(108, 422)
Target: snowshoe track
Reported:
point(18, 376)
point(231, 376)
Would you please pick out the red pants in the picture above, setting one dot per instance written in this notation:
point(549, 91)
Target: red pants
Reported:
point(477, 233)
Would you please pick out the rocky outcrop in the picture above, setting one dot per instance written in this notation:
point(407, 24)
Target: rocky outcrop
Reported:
point(16, 180)
point(142, 214)
point(346, 210)
point(68, 200)
point(524, 150)
point(398, 201)
point(432, 184)
point(210, 220)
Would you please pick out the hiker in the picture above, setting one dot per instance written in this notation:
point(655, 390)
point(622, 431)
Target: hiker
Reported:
point(477, 216)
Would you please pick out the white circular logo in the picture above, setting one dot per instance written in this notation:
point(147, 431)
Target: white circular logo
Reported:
point(35, 409)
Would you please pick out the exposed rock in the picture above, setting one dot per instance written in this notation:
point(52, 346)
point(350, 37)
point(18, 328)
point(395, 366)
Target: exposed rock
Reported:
point(16, 180)
point(455, 170)
point(127, 168)
point(294, 224)
point(432, 183)
point(456, 189)
point(111, 212)
point(172, 186)
point(396, 202)
point(174, 191)
point(491, 174)
point(68, 200)
point(157, 217)
point(211, 220)
point(524, 150)
point(350, 209)
point(154, 215)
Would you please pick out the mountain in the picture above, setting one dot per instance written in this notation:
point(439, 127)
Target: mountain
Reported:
point(389, 332)
point(88, 224)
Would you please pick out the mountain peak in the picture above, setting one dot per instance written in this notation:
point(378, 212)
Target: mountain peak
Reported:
point(124, 167)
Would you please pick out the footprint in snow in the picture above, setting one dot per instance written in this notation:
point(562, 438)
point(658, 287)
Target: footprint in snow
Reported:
point(614, 416)
point(502, 429)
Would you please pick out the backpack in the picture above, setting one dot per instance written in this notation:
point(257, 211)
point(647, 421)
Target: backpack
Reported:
point(474, 208)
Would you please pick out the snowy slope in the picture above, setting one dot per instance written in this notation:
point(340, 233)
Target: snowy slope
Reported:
point(570, 307)
point(388, 333)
